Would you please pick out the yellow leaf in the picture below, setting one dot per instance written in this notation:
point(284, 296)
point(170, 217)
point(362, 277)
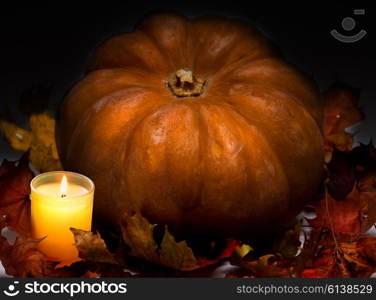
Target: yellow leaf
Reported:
point(138, 234)
point(40, 141)
point(18, 138)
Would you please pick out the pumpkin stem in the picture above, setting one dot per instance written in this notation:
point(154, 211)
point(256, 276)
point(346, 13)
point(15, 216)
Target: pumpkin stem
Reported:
point(182, 83)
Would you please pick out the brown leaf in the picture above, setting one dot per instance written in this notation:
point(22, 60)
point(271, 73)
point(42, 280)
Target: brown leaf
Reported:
point(15, 180)
point(43, 150)
point(268, 265)
point(344, 218)
point(288, 245)
point(340, 112)
point(39, 141)
point(230, 246)
point(92, 248)
point(176, 255)
point(355, 259)
point(19, 139)
point(23, 259)
point(138, 234)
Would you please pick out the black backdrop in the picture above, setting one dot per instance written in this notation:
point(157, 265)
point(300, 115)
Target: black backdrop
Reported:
point(50, 44)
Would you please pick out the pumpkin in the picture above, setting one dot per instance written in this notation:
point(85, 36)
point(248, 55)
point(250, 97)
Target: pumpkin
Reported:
point(197, 124)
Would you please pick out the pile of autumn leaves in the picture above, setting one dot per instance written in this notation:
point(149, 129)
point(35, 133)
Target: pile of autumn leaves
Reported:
point(331, 244)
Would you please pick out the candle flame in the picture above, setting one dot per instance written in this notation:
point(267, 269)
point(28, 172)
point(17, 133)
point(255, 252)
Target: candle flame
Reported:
point(64, 186)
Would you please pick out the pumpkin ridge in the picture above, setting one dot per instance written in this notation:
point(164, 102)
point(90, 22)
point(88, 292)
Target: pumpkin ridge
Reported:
point(142, 27)
point(274, 147)
point(271, 87)
point(266, 138)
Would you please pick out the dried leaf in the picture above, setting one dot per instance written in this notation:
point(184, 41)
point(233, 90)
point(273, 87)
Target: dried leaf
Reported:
point(43, 150)
point(230, 246)
point(19, 139)
point(340, 112)
point(23, 259)
point(39, 141)
point(15, 180)
point(176, 255)
point(342, 174)
point(288, 245)
point(348, 206)
point(355, 259)
point(268, 265)
point(92, 248)
point(138, 234)
point(345, 218)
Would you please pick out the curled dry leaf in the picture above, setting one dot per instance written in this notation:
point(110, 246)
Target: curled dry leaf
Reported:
point(268, 265)
point(355, 259)
point(92, 248)
point(39, 141)
point(348, 206)
point(96, 256)
point(43, 151)
point(18, 138)
point(138, 234)
point(345, 218)
point(340, 111)
point(23, 259)
point(15, 180)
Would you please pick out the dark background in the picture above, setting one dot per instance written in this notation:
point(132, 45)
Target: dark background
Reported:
point(50, 44)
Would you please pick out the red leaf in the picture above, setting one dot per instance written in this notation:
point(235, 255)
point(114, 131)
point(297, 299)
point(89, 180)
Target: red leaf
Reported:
point(355, 259)
point(14, 195)
point(23, 259)
point(227, 251)
point(344, 218)
point(340, 112)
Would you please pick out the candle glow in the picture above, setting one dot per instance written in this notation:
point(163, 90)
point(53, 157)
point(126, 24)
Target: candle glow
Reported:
point(60, 200)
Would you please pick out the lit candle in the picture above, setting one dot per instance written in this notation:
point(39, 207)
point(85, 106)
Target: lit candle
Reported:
point(60, 200)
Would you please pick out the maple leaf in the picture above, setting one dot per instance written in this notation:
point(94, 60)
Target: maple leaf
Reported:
point(340, 112)
point(92, 248)
point(288, 245)
point(99, 261)
point(39, 141)
point(280, 262)
point(22, 259)
point(345, 218)
point(348, 206)
point(230, 246)
point(43, 150)
point(138, 234)
point(19, 139)
point(353, 259)
point(15, 180)
point(268, 265)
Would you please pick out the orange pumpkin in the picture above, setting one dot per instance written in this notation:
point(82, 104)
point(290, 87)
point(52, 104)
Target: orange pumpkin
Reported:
point(198, 124)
